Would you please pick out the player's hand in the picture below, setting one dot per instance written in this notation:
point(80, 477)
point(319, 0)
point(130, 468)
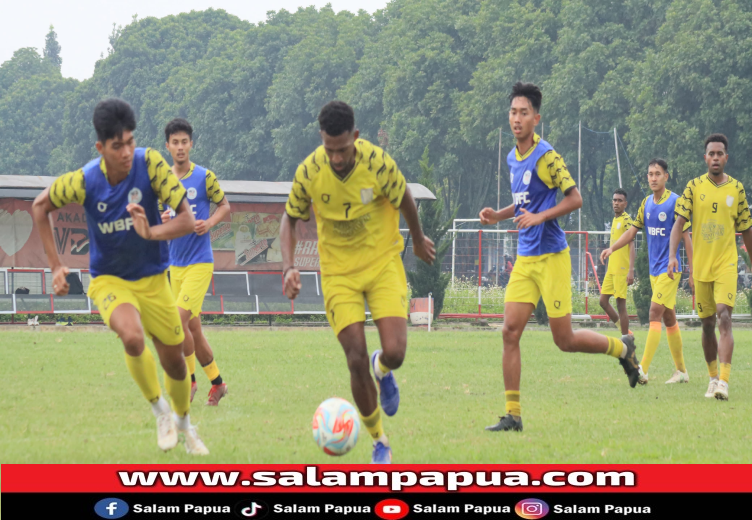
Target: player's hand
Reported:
point(630, 278)
point(59, 282)
point(691, 282)
point(488, 216)
point(528, 220)
point(201, 227)
point(292, 283)
point(140, 222)
point(166, 216)
point(673, 267)
point(605, 254)
point(425, 250)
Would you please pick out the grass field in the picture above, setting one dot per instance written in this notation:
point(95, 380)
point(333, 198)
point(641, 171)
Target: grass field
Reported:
point(68, 398)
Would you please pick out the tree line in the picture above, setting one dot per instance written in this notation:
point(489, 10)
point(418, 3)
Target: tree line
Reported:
point(420, 74)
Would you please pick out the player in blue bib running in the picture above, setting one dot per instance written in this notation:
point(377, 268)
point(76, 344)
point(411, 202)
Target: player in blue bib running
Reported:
point(656, 217)
point(543, 267)
point(120, 192)
point(191, 257)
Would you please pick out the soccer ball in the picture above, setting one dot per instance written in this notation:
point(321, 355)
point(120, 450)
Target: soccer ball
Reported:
point(336, 426)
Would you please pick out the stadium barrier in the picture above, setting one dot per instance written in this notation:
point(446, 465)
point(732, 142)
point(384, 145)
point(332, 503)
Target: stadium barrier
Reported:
point(479, 260)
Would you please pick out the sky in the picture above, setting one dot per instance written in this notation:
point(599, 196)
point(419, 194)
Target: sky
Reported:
point(83, 26)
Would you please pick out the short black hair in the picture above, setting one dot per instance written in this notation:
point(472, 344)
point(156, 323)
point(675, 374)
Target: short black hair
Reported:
point(112, 117)
point(529, 91)
point(176, 126)
point(336, 118)
point(717, 138)
point(660, 162)
point(620, 191)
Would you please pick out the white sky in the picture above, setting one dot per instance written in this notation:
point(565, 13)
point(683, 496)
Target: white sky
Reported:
point(82, 26)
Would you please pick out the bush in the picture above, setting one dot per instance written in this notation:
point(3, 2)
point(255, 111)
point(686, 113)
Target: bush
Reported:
point(643, 292)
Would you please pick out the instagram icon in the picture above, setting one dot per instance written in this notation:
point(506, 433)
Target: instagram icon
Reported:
point(531, 508)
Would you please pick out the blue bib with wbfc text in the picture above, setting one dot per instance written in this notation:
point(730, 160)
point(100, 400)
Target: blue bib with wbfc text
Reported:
point(192, 248)
point(659, 220)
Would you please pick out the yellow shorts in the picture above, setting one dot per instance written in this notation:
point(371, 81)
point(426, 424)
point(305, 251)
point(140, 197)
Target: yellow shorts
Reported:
point(152, 298)
point(385, 290)
point(710, 294)
point(189, 285)
point(615, 284)
point(550, 277)
point(664, 289)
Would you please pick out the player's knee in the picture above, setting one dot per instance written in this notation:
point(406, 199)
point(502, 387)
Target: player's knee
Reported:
point(133, 341)
point(511, 335)
point(604, 301)
point(657, 312)
point(724, 322)
point(565, 342)
point(708, 326)
point(174, 364)
point(357, 362)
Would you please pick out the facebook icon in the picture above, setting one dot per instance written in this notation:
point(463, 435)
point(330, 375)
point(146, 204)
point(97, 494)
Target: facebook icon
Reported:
point(111, 508)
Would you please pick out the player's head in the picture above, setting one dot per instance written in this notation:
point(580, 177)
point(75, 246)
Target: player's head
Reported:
point(657, 174)
point(114, 122)
point(716, 153)
point(179, 140)
point(338, 134)
point(524, 107)
point(619, 201)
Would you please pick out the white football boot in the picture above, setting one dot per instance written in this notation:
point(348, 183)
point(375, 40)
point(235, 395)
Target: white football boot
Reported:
point(711, 388)
point(167, 432)
point(193, 443)
point(643, 380)
point(678, 377)
point(721, 391)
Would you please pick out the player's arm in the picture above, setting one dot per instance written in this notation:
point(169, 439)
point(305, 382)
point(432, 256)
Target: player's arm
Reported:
point(215, 194)
point(298, 207)
point(491, 216)
point(627, 238)
point(683, 213)
point(423, 246)
point(630, 274)
point(552, 171)
point(65, 189)
point(690, 257)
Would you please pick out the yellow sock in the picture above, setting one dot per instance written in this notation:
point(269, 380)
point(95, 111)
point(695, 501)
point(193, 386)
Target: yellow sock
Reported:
point(615, 347)
point(725, 371)
point(513, 403)
point(713, 369)
point(143, 370)
point(384, 369)
point(180, 393)
point(676, 347)
point(651, 345)
point(191, 362)
point(212, 370)
point(373, 423)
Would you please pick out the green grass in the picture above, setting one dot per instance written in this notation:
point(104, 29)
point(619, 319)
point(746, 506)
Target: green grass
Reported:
point(68, 398)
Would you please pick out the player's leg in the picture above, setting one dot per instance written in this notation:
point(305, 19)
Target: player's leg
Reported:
point(706, 308)
point(654, 338)
point(675, 346)
point(386, 294)
point(607, 291)
point(177, 279)
point(557, 296)
point(119, 309)
point(161, 321)
point(516, 316)
point(724, 293)
point(621, 306)
point(205, 356)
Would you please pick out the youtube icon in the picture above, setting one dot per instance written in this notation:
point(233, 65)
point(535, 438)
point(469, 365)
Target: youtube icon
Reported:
point(391, 509)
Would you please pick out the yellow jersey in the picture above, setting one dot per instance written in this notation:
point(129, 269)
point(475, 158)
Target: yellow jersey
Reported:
point(618, 263)
point(716, 212)
point(357, 217)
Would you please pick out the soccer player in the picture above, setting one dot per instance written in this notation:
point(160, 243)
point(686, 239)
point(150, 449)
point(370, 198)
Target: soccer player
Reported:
point(543, 266)
point(716, 204)
point(191, 257)
point(620, 271)
point(120, 192)
point(357, 193)
point(656, 216)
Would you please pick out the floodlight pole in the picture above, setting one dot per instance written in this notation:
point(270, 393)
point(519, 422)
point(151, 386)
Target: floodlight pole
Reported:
point(498, 206)
point(579, 211)
point(618, 166)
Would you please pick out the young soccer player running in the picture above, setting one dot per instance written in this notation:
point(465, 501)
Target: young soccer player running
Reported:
point(716, 204)
point(357, 193)
point(191, 256)
point(620, 271)
point(120, 192)
point(656, 216)
point(543, 266)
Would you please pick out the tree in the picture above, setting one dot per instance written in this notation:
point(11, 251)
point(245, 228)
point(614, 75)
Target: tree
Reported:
point(643, 292)
point(429, 278)
point(52, 49)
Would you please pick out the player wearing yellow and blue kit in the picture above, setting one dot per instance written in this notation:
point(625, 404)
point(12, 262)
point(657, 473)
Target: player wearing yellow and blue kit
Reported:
point(716, 204)
point(620, 272)
point(120, 192)
point(656, 217)
point(543, 267)
point(357, 193)
point(191, 256)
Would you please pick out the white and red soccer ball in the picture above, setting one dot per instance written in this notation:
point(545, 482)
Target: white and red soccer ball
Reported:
point(336, 425)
